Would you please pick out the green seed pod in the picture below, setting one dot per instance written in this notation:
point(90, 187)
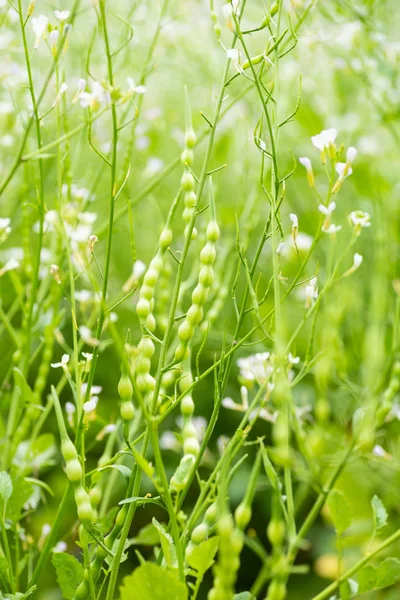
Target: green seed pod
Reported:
point(95, 495)
point(74, 470)
point(84, 507)
point(127, 410)
point(187, 157)
point(190, 138)
point(146, 347)
point(142, 365)
point(125, 388)
point(165, 239)
point(206, 276)
point(185, 331)
point(242, 516)
point(150, 277)
point(212, 232)
point(211, 514)
point(190, 199)
point(143, 308)
point(199, 295)
point(276, 531)
point(181, 352)
point(208, 253)
point(68, 450)
point(191, 446)
point(187, 182)
point(181, 475)
point(276, 590)
point(187, 214)
point(199, 533)
point(150, 322)
point(187, 406)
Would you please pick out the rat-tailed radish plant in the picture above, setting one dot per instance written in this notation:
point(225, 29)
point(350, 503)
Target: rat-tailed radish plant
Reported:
point(173, 303)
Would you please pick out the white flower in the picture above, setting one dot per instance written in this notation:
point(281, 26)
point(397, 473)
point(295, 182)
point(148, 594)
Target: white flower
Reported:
point(294, 219)
point(10, 265)
point(94, 390)
point(332, 228)
point(256, 367)
point(61, 15)
point(138, 269)
point(327, 210)
point(303, 243)
point(359, 219)
point(79, 90)
point(378, 451)
point(138, 89)
point(60, 547)
point(87, 218)
point(5, 228)
point(95, 98)
point(61, 91)
point(357, 261)
point(343, 170)
point(87, 336)
point(39, 26)
point(324, 139)
point(306, 162)
point(88, 356)
point(351, 155)
point(311, 292)
point(53, 37)
point(293, 360)
point(46, 528)
point(62, 364)
point(90, 405)
point(234, 55)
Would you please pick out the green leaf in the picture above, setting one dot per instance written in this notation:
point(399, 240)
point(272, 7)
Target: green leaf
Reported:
point(201, 557)
point(4, 573)
point(69, 573)
point(152, 582)
point(20, 382)
point(6, 487)
point(380, 513)
point(147, 536)
point(143, 500)
point(244, 596)
point(22, 492)
point(339, 510)
point(376, 578)
point(167, 545)
point(20, 595)
point(125, 471)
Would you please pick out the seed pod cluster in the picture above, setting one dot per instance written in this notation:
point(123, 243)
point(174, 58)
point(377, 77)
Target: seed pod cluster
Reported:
point(201, 532)
point(225, 570)
point(187, 180)
point(74, 473)
point(215, 308)
point(389, 394)
point(200, 293)
point(276, 590)
point(125, 391)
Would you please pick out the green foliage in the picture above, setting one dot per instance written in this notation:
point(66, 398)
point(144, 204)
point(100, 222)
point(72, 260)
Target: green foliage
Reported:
point(380, 513)
point(382, 576)
point(69, 573)
point(201, 557)
point(340, 511)
point(152, 582)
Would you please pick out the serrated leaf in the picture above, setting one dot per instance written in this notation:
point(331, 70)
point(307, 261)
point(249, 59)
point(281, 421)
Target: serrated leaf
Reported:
point(152, 582)
point(376, 578)
point(69, 573)
point(6, 487)
point(244, 596)
point(380, 513)
point(201, 557)
point(125, 471)
point(167, 545)
point(339, 510)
